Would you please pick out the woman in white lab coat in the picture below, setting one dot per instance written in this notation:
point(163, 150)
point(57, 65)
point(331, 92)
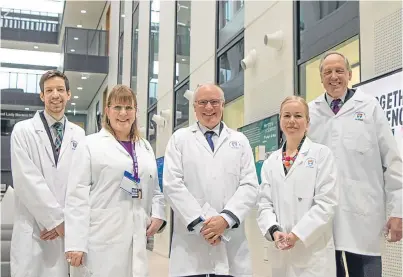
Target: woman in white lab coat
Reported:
point(297, 199)
point(112, 190)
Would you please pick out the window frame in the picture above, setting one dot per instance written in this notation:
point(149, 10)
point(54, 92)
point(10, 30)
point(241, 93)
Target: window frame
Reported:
point(185, 123)
point(135, 7)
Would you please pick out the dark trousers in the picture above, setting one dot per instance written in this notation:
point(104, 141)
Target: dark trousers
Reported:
point(358, 265)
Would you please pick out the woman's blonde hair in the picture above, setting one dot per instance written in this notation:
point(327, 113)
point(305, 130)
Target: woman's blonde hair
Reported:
point(297, 99)
point(122, 94)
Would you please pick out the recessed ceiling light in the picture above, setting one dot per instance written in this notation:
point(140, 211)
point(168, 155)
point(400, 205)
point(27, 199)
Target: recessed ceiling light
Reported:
point(75, 96)
point(79, 88)
point(183, 60)
point(79, 26)
point(73, 104)
point(36, 46)
point(69, 111)
point(83, 11)
point(83, 77)
point(76, 38)
point(27, 109)
point(123, 15)
point(73, 50)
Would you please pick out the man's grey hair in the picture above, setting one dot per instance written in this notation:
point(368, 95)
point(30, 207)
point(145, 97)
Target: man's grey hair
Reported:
point(208, 85)
point(334, 53)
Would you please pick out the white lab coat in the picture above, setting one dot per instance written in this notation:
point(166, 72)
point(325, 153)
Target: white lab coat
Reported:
point(362, 142)
point(40, 189)
point(226, 180)
point(102, 220)
point(303, 202)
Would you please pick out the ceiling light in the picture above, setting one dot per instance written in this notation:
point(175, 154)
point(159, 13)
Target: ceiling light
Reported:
point(83, 77)
point(69, 111)
point(73, 104)
point(27, 109)
point(123, 15)
point(73, 50)
point(76, 38)
point(183, 60)
point(83, 11)
point(79, 26)
point(75, 96)
point(79, 88)
point(36, 46)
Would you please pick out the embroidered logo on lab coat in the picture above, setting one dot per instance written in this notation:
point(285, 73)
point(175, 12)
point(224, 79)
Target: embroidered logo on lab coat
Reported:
point(234, 144)
point(359, 116)
point(74, 145)
point(310, 162)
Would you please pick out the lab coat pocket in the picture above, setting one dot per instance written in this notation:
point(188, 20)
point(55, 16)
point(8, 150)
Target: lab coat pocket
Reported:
point(106, 226)
point(303, 199)
point(354, 200)
point(356, 137)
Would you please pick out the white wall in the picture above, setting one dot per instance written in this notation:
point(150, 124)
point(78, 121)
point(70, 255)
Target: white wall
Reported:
point(127, 44)
point(113, 44)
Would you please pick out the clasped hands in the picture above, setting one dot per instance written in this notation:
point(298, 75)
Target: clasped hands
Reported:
point(213, 228)
point(284, 241)
point(54, 233)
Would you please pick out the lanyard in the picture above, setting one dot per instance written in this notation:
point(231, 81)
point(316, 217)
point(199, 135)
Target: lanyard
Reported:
point(135, 162)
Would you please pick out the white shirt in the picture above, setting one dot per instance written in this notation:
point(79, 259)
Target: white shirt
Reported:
point(50, 120)
point(329, 99)
point(216, 131)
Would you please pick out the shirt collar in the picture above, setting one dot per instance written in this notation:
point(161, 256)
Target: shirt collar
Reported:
point(204, 129)
point(50, 120)
point(329, 99)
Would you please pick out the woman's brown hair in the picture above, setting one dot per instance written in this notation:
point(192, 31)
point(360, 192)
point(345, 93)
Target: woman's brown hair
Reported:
point(122, 94)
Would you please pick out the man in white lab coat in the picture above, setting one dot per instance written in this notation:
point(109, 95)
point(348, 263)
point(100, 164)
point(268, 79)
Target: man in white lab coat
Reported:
point(355, 127)
point(41, 152)
point(211, 184)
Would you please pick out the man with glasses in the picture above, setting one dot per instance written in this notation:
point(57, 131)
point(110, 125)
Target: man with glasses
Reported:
point(211, 184)
point(355, 127)
point(41, 153)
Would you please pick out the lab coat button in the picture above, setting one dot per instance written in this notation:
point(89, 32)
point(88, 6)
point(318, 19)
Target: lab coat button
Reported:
point(299, 198)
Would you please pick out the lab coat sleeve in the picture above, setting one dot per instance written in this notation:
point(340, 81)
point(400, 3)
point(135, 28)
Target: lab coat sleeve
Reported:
point(158, 201)
point(391, 162)
point(245, 196)
point(77, 206)
point(320, 215)
point(176, 193)
point(30, 185)
point(266, 216)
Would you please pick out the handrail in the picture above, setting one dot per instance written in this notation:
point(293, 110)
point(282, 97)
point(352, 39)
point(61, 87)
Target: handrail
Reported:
point(6, 11)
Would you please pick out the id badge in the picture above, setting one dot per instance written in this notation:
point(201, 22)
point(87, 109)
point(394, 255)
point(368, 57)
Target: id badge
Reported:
point(130, 186)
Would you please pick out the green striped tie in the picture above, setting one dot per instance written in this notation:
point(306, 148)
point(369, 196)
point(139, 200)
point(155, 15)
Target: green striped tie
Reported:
point(59, 135)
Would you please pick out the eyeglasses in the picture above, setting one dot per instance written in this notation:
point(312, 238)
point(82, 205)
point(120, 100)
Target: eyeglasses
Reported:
point(204, 103)
point(119, 108)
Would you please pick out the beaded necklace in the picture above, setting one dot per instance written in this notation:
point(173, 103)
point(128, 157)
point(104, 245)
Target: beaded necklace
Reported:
point(288, 161)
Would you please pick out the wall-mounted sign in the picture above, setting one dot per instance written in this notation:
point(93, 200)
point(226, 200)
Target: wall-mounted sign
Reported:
point(9, 114)
point(264, 138)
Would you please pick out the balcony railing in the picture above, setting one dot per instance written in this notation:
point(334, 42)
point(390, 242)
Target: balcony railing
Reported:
point(29, 20)
point(24, 82)
point(85, 42)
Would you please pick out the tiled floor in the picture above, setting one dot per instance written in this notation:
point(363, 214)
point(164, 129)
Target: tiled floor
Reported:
point(158, 265)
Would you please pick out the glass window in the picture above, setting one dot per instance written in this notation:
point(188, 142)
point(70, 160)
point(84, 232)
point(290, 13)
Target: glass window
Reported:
point(182, 68)
point(230, 18)
point(122, 17)
point(135, 44)
point(152, 129)
point(230, 73)
point(310, 83)
point(120, 60)
point(324, 24)
point(153, 57)
point(233, 115)
point(181, 114)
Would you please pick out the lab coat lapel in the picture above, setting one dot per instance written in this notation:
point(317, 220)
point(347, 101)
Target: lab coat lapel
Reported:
point(67, 138)
point(200, 138)
point(43, 136)
point(106, 133)
point(279, 163)
point(301, 156)
point(323, 106)
point(351, 104)
point(225, 133)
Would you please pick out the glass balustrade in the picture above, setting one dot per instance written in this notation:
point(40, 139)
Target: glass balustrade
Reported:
point(29, 20)
point(20, 82)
